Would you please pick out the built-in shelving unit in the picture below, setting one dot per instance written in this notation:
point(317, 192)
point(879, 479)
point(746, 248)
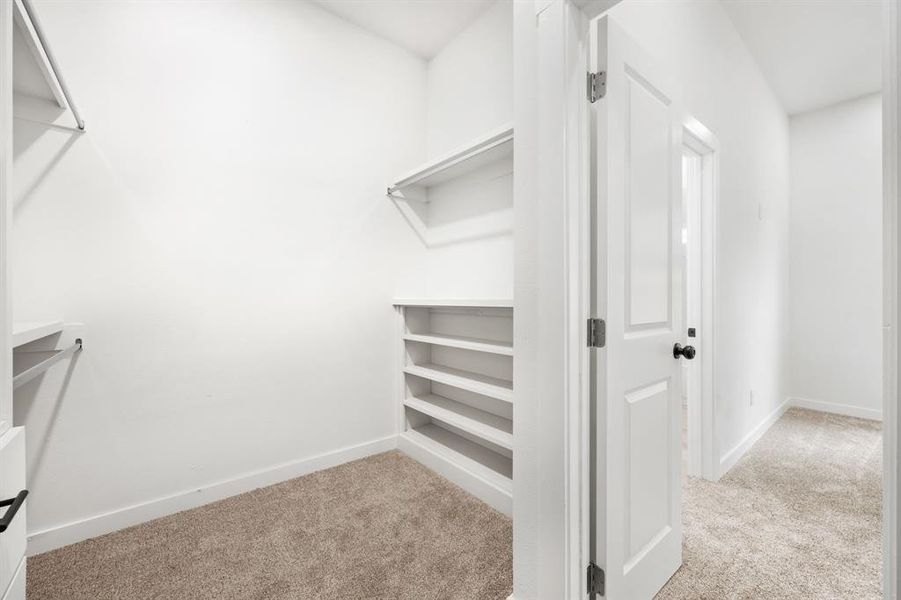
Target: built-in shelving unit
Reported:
point(491, 148)
point(455, 392)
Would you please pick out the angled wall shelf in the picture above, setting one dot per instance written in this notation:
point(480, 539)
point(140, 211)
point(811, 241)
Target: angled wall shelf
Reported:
point(464, 417)
point(491, 148)
point(465, 380)
point(466, 343)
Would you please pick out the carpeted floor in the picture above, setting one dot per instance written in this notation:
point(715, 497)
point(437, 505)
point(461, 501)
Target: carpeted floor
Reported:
point(800, 516)
point(383, 527)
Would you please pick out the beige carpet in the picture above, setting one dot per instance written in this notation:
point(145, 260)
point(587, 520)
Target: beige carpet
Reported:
point(800, 516)
point(384, 527)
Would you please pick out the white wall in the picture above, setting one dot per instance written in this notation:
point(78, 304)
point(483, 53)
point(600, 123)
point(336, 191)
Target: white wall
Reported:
point(222, 231)
point(836, 258)
point(470, 82)
point(724, 89)
point(470, 93)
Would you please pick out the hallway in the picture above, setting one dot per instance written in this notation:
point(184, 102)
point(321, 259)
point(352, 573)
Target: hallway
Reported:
point(800, 516)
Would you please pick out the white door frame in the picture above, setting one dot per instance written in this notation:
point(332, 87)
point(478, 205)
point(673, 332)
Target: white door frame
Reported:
point(891, 193)
point(6, 213)
point(703, 451)
point(552, 243)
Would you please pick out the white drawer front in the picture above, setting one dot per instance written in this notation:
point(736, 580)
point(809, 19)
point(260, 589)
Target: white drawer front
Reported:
point(12, 481)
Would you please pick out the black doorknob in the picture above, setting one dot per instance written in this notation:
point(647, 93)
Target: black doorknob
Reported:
point(687, 351)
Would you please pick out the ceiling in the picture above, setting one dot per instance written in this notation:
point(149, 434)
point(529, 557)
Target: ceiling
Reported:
point(423, 27)
point(813, 52)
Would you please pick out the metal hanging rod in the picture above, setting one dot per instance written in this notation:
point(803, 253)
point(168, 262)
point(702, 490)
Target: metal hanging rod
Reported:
point(56, 70)
point(29, 374)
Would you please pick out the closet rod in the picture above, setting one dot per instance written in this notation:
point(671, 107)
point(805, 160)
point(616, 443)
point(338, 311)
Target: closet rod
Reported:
point(29, 374)
point(56, 70)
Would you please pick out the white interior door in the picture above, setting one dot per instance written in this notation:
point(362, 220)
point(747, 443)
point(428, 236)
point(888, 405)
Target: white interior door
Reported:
point(638, 265)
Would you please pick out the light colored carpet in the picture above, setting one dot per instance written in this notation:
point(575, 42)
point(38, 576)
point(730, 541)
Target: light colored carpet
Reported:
point(800, 516)
point(383, 527)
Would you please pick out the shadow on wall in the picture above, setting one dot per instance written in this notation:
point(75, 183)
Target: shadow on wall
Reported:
point(22, 198)
point(47, 270)
point(42, 118)
point(29, 396)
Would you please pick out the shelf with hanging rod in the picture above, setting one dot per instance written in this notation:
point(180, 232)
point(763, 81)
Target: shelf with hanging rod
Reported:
point(27, 332)
point(32, 372)
point(492, 147)
point(30, 34)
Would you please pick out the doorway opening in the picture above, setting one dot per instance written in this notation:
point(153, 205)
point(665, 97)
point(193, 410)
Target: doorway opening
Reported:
point(774, 481)
point(699, 201)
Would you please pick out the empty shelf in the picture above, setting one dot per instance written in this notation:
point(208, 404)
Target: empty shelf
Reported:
point(492, 147)
point(465, 380)
point(489, 427)
point(23, 333)
point(478, 459)
point(479, 345)
point(456, 302)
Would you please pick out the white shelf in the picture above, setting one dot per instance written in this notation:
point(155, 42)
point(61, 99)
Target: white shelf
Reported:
point(455, 302)
point(478, 470)
point(500, 389)
point(33, 72)
point(26, 332)
point(493, 147)
point(466, 343)
point(484, 425)
point(39, 91)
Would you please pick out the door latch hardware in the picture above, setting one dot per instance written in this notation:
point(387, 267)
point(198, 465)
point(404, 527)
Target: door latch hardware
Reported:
point(597, 333)
point(687, 351)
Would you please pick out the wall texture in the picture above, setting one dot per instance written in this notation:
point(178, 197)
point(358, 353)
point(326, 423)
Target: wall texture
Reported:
point(222, 232)
point(470, 93)
point(836, 258)
point(724, 89)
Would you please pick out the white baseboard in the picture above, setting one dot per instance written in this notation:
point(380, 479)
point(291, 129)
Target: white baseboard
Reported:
point(734, 455)
point(76, 531)
point(838, 409)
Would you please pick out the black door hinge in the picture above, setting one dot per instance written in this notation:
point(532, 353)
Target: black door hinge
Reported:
point(597, 333)
point(595, 579)
point(597, 86)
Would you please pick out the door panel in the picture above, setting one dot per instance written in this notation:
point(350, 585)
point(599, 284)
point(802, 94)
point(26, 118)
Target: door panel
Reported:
point(637, 381)
point(647, 202)
point(647, 503)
